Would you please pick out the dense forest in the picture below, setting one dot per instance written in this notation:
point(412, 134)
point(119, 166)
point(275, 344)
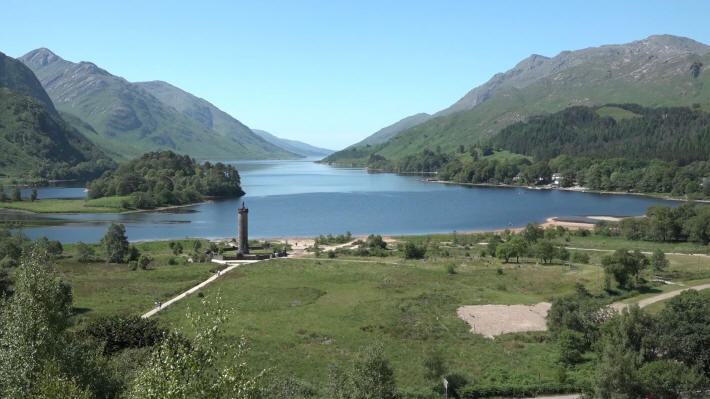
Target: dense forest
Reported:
point(165, 178)
point(630, 131)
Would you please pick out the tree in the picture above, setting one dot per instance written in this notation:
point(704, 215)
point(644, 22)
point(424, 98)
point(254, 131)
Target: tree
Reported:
point(544, 250)
point(115, 243)
point(658, 260)
point(133, 253)
point(533, 232)
point(684, 326)
point(85, 253)
point(33, 195)
point(32, 325)
point(201, 367)
point(623, 265)
point(505, 251)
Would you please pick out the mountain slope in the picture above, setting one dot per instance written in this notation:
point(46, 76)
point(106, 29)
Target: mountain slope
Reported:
point(294, 146)
point(679, 134)
point(657, 71)
point(17, 77)
point(211, 117)
point(128, 120)
point(35, 141)
point(390, 131)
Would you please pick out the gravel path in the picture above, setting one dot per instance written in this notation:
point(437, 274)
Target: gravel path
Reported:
point(214, 277)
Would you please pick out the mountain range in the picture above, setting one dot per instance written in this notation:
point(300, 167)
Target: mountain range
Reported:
point(36, 142)
point(126, 119)
point(662, 70)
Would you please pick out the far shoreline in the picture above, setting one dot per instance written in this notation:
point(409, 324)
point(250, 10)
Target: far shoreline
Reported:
point(577, 189)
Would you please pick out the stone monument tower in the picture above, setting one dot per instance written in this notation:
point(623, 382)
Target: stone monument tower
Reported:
point(243, 229)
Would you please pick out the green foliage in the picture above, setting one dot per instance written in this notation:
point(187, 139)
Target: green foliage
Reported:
point(623, 265)
point(199, 367)
point(414, 251)
point(85, 253)
point(33, 194)
point(115, 243)
point(544, 250)
point(687, 222)
point(32, 325)
point(176, 247)
point(330, 239)
point(684, 326)
point(659, 262)
point(672, 134)
point(165, 178)
point(580, 257)
point(144, 261)
point(370, 377)
point(117, 333)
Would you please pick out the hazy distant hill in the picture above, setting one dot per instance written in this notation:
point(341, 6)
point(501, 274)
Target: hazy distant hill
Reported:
point(128, 120)
point(294, 146)
point(211, 117)
point(35, 141)
point(657, 71)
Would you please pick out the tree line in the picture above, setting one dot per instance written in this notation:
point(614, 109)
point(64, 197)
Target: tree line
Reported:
point(165, 178)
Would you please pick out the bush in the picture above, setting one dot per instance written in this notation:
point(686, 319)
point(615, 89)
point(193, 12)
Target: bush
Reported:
point(413, 251)
point(172, 261)
point(580, 257)
point(450, 268)
point(331, 254)
point(144, 261)
point(123, 332)
point(85, 253)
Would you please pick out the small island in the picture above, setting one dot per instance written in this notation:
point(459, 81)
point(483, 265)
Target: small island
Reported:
point(155, 180)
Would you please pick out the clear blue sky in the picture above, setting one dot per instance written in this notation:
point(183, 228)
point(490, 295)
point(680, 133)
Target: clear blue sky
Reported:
point(330, 72)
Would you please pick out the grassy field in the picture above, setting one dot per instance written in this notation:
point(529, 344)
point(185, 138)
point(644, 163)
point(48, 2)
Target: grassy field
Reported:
point(300, 315)
point(101, 288)
point(101, 205)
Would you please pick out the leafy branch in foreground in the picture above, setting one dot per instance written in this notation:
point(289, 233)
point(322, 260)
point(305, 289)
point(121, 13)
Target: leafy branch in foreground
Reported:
point(189, 368)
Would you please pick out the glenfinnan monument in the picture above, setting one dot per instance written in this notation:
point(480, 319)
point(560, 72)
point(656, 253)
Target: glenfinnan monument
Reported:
point(243, 229)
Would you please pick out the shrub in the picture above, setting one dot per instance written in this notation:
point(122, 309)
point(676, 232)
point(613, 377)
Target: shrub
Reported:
point(413, 251)
point(580, 257)
point(123, 332)
point(144, 261)
point(85, 253)
point(450, 268)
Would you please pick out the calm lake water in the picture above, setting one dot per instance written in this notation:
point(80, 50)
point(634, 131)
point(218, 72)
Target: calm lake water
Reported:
point(304, 199)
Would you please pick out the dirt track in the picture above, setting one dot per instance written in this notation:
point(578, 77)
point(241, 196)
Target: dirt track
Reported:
point(492, 320)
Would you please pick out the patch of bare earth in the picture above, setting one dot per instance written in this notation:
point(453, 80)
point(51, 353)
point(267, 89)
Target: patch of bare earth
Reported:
point(492, 320)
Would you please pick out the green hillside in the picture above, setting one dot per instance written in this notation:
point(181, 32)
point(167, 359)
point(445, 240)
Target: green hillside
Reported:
point(128, 120)
point(679, 134)
point(38, 144)
point(20, 79)
point(658, 71)
point(214, 119)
